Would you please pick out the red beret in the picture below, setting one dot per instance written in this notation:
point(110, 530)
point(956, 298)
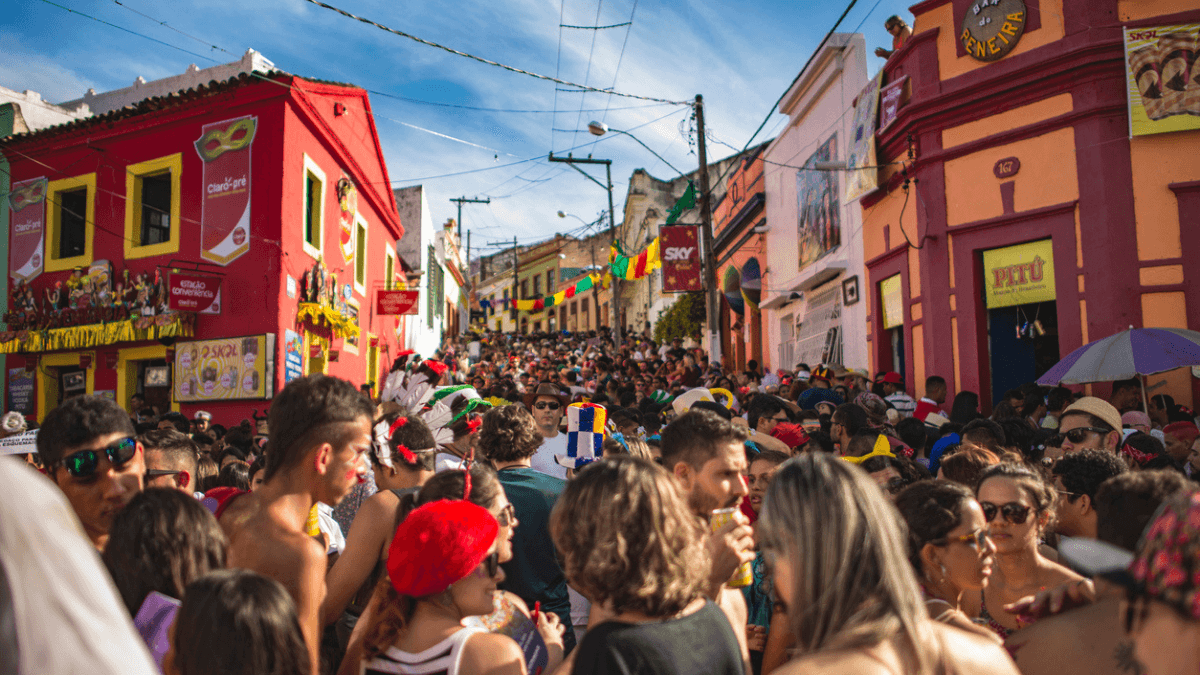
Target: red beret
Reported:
point(438, 544)
point(792, 435)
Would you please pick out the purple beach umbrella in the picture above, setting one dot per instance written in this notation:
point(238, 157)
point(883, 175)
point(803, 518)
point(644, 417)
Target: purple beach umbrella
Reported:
point(1137, 351)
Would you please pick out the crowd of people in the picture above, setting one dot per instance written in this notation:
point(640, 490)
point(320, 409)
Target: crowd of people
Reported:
point(558, 503)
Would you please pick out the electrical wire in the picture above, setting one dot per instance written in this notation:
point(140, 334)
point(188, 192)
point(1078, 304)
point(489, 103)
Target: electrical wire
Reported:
point(620, 58)
point(480, 59)
point(587, 74)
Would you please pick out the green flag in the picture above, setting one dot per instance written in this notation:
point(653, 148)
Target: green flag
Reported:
point(687, 201)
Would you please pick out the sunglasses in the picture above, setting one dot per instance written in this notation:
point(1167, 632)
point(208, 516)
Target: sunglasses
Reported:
point(978, 539)
point(492, 564)
point(83, 464)
point(1078, 434)
point(542, 405)
point(1013, 512)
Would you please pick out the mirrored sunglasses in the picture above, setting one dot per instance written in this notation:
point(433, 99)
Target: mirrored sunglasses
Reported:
point(83, 464)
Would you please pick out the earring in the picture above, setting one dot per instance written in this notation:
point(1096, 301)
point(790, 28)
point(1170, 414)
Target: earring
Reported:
point(944, 573)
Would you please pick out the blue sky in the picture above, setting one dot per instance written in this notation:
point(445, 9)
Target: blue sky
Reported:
point(739, 55)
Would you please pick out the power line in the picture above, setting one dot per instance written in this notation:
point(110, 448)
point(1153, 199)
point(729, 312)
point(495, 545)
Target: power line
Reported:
point(620, 58)
point(480, 58)
point(587, 73)
point(615, 25)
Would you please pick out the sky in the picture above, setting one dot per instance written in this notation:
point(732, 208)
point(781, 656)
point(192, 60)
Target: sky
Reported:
point(741, 56)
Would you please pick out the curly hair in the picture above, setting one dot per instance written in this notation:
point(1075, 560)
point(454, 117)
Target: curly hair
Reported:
point(627, 538)
point(931, 508)
point(968, 464)
point(1083, 471)
point(509, 433)
point(1041, 493)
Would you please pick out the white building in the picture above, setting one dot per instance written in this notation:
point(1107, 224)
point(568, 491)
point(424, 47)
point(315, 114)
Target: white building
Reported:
point(433, 255)
point(814, 248)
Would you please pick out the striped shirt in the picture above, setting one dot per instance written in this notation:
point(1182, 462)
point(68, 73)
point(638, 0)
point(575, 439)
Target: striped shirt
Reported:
point(440, 659)
point(903, 403)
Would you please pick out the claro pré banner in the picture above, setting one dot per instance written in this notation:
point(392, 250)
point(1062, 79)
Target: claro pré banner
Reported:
point(224, 148)
point(27, 228)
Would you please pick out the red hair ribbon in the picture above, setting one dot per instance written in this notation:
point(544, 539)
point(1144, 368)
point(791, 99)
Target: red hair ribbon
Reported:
point(467, 462)
point(473, 424)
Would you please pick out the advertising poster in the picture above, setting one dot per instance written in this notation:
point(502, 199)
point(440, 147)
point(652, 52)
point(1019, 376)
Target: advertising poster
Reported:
point(397, 302)
point(20, 392)
point(27, 228)
point(680, 246)
point(224, 148)
point(862, 146)
point(818, 206)
point(891, 293)
point(1019, 275)
point(891, 99)
point(226, 369)
point(293, 356)
point(1162, 79)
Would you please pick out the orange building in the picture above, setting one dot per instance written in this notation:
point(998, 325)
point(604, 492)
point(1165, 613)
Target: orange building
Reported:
point(739, 223)
point(1023, 214)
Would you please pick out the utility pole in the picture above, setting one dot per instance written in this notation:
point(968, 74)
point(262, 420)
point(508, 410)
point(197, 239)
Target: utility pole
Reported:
point(706, 230)
point(615, 290)
point(516, 326)
point(470, 284)
point(463, 200)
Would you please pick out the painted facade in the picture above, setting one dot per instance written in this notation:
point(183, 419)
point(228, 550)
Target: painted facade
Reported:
point(1034, 149)
point(420, 333)
point(305, 143)
point(814, 258)
point(739, 237)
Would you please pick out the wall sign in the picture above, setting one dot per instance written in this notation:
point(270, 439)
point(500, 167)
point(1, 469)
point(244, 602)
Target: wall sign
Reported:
point(293, 356)
point(1018, 275)
point(1007, 167)
point(27, 225)
point(681, 258)
point(194, 293)
point(891, 293)
point(397, 302)
point(992, 28)
point(891, 99)
point(20, 391)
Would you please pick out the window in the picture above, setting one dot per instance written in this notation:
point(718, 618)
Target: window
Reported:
point(525, 290)
point(69, 231)
point(373, 364)
point(313, 208)
point(537, 286)
point(431, 270)
point(389, 268)
point(360, 256)
point(550, 282)
point(152, 207)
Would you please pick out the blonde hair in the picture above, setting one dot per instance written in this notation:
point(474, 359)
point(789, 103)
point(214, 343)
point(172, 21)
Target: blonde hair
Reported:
point(627, 537)
point(845, 544)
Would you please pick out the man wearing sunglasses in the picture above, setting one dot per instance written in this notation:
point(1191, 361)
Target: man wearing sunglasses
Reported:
point(317, 454)
point(89, 450)
point(172, 460)
point(548, 404)
point(1091, 423)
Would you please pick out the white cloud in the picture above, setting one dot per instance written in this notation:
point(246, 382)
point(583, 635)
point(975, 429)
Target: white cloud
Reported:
point(23, 68)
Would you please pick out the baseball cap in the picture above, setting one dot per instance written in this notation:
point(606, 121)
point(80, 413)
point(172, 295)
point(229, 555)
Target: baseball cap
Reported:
point(1135, 418)
point(891, 377)
point(1098, 408)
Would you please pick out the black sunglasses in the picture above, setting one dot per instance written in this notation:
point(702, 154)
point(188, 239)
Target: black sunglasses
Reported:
point(543, 405)
point(1013, 512)
point(1078, 434)
point(492, 563)
point(83, 464)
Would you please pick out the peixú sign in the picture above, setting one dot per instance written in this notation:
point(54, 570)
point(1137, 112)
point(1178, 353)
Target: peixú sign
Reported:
point(1019, 275)
point(397, 302)
point(194, 293)
point(992, 28)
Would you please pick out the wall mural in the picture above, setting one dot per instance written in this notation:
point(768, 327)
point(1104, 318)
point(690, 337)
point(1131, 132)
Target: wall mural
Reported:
point(818, 215)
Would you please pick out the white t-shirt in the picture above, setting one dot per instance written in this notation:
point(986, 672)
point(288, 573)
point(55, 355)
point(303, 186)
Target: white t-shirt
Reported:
point(543, 460)
point(445, 461)
point(326, 523)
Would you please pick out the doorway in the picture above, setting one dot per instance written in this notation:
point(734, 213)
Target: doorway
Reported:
point(1022, 344)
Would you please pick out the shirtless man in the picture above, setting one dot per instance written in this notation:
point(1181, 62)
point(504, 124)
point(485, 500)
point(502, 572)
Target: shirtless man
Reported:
point(322, 428)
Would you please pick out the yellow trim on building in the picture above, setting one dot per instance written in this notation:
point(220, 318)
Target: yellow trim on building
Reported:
point(134, 173)
point(310, 167)
point(47, 385)
point(54, 222)
point(127, 371)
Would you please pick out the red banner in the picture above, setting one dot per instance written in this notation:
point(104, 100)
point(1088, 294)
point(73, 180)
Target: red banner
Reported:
point(224, 148)
point(680, 250)
point(397, 302)
point(27, 226)
point(194, 293)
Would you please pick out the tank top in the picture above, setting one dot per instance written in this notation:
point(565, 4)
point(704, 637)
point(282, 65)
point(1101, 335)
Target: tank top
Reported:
point(702, 642)
point(440, 659)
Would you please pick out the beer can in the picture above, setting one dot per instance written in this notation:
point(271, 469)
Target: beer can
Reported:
point(742, 576)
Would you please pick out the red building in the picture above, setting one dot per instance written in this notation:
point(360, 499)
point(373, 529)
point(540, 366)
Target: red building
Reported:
point(739, 226)
point(124, 223)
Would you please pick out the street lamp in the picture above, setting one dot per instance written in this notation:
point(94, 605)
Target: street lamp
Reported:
point(600, 128)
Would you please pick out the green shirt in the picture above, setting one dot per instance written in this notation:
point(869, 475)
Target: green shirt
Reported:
point(534, 573)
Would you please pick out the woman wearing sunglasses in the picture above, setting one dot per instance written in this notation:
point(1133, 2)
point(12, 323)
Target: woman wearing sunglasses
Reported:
point(1018, 506)
point(443, 567)
point(864, 617)
point(948, 547)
